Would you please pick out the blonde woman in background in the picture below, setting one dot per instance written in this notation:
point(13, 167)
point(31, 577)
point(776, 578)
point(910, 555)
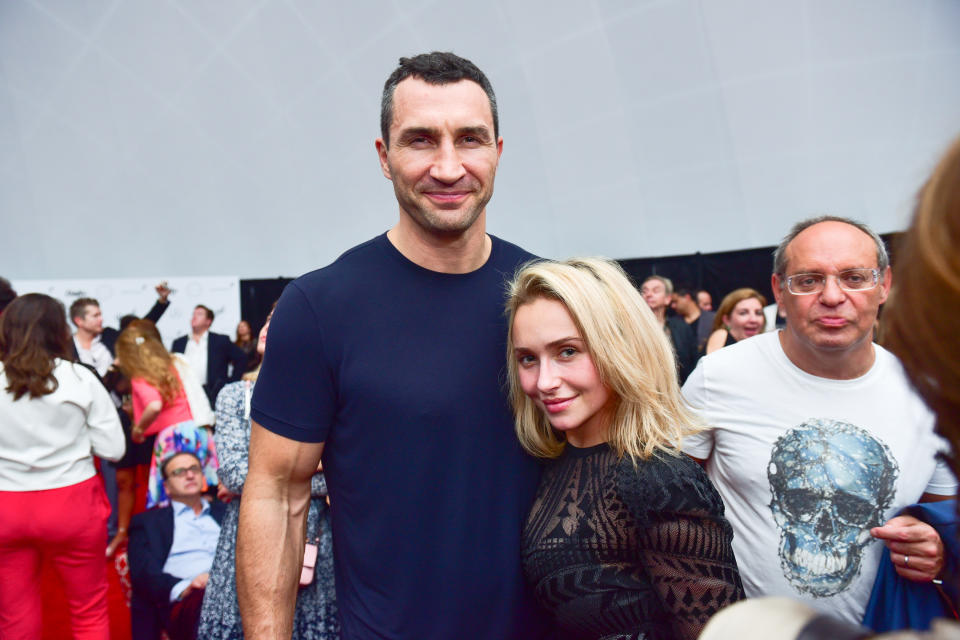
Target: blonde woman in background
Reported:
point(739, 317)
point(620, 513)
point(160, 407)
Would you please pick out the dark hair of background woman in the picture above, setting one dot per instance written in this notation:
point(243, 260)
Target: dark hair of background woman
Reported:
point(33, 331)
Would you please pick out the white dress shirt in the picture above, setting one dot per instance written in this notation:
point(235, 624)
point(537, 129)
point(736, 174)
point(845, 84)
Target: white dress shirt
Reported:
point(97, 356)
point(49, 442)
point(196, 354)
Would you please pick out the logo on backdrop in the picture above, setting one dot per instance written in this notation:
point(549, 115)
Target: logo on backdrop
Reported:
point(831, 483)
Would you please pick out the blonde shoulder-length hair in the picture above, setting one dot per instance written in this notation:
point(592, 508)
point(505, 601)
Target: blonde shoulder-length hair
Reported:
point(629, 348)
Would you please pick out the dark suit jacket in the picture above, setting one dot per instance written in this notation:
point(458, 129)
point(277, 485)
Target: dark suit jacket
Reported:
point(220, 352)
point(684, 345)
point(151, 536)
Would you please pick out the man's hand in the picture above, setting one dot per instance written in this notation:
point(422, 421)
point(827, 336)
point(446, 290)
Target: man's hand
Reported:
point(163, 291)
point(200, 582)
point(225, 495)
point(915, 547)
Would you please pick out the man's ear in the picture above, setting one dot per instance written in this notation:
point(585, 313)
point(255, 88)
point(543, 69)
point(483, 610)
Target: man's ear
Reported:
point(775, 284)
point(382, 154)
point(886, 281)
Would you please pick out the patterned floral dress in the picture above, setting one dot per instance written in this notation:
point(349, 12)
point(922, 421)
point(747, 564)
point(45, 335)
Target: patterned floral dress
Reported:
point(316, 613)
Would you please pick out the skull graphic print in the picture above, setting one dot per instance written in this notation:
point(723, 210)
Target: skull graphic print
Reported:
point(831, 482)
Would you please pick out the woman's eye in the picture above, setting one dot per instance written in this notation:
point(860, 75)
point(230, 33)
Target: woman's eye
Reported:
point(568, 352)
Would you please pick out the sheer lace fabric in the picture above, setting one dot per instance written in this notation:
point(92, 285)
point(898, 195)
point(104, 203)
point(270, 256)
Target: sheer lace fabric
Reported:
point(617, 551)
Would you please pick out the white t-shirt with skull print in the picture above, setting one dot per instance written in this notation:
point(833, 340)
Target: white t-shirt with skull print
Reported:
point(807, 465)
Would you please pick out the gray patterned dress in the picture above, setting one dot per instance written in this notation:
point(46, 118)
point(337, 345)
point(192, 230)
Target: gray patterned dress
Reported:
point(316, 614)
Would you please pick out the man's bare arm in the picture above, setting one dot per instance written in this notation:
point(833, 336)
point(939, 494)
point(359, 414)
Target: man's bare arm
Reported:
point(273, 520)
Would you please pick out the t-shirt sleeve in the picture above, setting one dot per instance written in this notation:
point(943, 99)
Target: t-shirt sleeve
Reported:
point(295, 395)
point(699, 445)
point(942, 482)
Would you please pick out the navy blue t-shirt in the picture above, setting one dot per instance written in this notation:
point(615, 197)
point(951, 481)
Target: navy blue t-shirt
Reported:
point(400, 371)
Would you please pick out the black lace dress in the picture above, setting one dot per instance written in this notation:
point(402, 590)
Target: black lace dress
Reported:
point(615, 551)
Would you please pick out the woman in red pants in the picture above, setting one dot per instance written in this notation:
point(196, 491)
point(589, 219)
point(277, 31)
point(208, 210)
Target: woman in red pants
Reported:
point(55, 415)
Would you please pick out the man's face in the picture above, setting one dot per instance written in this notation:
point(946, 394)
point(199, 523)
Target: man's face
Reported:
point(704, 301)
point(189, 482)
point(443, 154)
point(683, 304)
point(199, 321)
point(91, 321)
point(834, 319)
point(654, 293)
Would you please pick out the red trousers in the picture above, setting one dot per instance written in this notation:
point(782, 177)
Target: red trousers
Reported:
point(67, 527)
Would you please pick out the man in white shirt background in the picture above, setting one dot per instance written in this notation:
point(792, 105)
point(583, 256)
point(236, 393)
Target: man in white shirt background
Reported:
point(213, 356)
point(816, 439)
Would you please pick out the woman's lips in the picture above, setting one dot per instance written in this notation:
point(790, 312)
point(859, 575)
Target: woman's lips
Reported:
point(557, 405)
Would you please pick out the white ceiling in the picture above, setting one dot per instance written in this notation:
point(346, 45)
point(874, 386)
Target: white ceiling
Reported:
point(208, 137)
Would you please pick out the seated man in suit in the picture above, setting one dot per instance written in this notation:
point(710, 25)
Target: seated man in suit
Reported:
point(171, 551)
point(210, 354)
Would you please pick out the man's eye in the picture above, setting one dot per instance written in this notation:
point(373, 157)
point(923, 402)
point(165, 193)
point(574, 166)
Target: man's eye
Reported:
point(808, 281)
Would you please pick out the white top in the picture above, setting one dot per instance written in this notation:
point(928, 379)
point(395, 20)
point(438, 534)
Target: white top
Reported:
point(196, 354)
point(49, 442)
point(807, 465)
point(97, 356)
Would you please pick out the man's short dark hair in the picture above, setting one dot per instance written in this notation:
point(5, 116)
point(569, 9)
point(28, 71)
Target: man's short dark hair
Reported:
point(207, 310)
point(684, 291)
point(439, 67)
point(166, 461)
point(79, 307)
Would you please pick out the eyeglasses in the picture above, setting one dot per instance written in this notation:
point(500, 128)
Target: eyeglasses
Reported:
point(804, 284)
point(176, 473)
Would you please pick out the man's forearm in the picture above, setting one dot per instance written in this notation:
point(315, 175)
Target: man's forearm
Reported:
point(270, 539)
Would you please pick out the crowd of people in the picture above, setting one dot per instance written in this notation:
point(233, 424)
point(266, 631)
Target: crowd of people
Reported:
point(372, 466)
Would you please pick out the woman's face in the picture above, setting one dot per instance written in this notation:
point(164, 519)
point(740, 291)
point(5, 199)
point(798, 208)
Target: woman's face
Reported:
point(243, 330)
point(557, 373)
point(262, 340)
point(745, 320)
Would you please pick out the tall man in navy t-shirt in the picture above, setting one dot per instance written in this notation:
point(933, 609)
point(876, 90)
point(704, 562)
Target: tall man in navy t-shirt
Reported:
point(388, 362)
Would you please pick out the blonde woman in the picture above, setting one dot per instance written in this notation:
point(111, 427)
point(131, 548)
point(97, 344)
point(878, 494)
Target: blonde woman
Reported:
point(739, 317)
point(160, 407)
point(626, 537)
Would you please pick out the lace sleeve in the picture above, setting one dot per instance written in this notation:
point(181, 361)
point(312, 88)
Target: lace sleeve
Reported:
point(684, 539)
point(232, 436)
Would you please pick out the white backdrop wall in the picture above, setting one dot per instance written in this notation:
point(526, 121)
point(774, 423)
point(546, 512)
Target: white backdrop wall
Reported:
point(135, 296)
point(205, 137)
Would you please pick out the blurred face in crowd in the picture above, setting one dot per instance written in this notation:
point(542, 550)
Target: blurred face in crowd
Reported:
point(262, 340)
point(443, 154)
point(654, 292)
point(243, 330)
point(184, 477)
point(556, 371)
point(200, 321)
point(91, 321)
point(833, 320)
point(745, 320)
point(704, 301)
point(684, 305)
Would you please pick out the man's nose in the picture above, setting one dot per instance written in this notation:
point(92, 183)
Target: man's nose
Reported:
point(447, 166)
point(832, 294)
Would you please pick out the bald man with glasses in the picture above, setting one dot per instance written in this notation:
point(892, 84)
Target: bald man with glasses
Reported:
point(815, 439)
